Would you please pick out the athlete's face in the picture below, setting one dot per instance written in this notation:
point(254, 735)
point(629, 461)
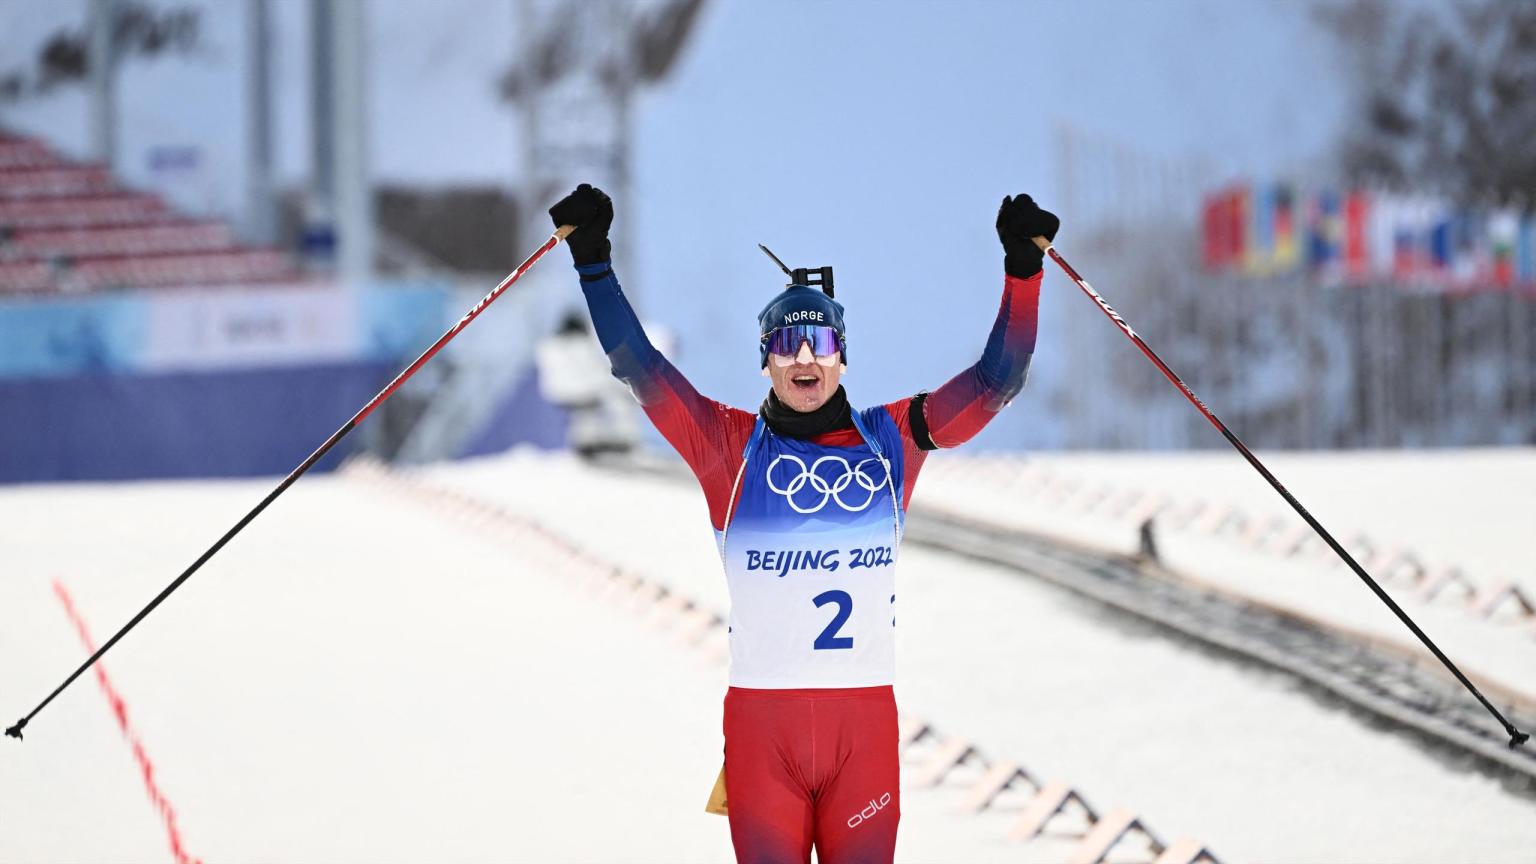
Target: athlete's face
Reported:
point(802, 383)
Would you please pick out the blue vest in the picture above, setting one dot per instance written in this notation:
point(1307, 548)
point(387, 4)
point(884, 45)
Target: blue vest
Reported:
point(809, 550)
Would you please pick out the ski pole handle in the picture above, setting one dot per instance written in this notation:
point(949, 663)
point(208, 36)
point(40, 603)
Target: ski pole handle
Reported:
point(1044, 244)
point(564, 231)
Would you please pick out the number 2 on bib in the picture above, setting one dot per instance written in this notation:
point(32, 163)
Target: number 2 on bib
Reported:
point(829, 638)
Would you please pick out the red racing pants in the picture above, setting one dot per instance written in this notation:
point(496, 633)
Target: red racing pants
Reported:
point(812, 766)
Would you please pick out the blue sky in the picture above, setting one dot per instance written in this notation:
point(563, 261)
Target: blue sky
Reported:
point(879, 137)
point(874, 136)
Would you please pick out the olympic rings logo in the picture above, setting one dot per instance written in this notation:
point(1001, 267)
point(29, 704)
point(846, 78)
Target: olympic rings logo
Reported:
point(829, 490)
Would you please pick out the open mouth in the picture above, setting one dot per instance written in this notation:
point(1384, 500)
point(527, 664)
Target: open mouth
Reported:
point(805, 382)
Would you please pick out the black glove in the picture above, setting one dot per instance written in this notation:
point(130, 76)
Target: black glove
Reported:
point(1019, 220)
point(591, 211)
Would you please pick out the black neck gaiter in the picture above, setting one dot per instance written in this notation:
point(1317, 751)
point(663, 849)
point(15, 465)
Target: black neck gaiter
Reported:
point(833, 415)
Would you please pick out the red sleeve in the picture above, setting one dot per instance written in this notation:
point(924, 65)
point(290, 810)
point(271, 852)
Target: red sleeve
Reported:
point(913, 456)
point(707, 434)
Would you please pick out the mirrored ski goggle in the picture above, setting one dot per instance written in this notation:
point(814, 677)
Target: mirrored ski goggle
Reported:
point(784, 343)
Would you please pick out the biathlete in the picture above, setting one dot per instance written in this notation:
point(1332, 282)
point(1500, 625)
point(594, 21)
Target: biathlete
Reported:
point(807, 496)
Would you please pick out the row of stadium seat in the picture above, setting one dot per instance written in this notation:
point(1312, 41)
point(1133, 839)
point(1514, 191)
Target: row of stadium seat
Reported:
point(243, 266)
point(116, 208)
point(23, 277)
point(18, 152)
point(237, 267)
point(54, 180)
point(71, 227)
point(109, 240)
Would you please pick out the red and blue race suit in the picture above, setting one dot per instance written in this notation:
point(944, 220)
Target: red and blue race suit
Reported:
point(809, 531)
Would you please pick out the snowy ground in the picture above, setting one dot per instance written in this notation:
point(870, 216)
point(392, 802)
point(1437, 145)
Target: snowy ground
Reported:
point(367, 676)
point(1472, 510)
point(351, 680)
point(1235, 759)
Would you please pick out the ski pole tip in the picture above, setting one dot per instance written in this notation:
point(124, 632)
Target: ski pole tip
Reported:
point(1516, 738)
point(15, 731)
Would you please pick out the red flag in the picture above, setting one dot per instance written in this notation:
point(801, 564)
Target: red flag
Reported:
point(1210, 231)
point(1356, 208)
point(1237, 224)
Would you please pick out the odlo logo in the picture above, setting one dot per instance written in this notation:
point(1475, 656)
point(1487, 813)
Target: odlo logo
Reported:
point(869, 812)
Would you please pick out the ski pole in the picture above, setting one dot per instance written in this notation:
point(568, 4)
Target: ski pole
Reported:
point(1516, 737)
point(559, 234)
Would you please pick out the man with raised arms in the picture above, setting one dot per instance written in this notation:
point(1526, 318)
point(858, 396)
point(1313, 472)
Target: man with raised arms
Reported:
point(808, 496)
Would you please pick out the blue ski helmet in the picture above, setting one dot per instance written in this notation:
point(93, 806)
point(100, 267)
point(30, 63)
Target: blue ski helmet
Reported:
point(800, 304)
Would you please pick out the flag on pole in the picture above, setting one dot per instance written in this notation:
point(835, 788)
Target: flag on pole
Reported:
point(1426, 216)
point(1459, 266)
point(1442, 250)
point(1323, 232)
point(1261, 235)
point(1222, 229)
point(1211, 226)
point(1356, 208)
point(1525, 251)
point(1503, 233)
point(1385, 213)
point(1407, 236)
point(1287, 244)
point(1237, 223)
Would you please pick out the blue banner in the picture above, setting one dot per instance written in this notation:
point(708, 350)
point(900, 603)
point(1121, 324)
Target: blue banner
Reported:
point(223, 329)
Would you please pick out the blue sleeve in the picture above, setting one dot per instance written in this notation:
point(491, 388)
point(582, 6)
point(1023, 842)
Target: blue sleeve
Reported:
point(635, 360)
point(708, 435)
point(958, 410)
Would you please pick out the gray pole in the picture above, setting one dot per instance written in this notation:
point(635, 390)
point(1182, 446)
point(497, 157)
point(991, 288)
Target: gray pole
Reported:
point(623, 90)
point(319, 203)
point(354, 196)
point(1520, 369)
point(103, 74)
point(258, 123)
point(532, 217)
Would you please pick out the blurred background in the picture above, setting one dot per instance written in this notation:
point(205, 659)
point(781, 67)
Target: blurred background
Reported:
point(226, 224)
